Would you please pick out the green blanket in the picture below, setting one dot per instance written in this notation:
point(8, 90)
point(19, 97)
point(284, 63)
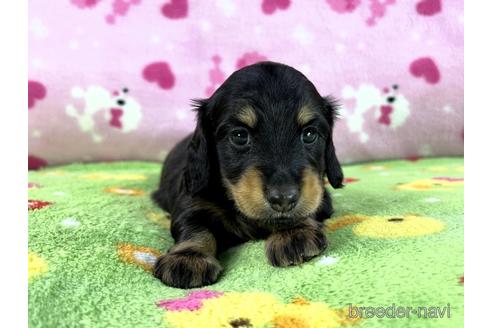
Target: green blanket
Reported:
point(395, 241)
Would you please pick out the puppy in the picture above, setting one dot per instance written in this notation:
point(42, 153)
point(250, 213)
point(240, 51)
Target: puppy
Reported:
point(253, 169)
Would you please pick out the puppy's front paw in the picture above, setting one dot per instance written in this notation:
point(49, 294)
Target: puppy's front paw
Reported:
point(295, 246)
point(187, 269)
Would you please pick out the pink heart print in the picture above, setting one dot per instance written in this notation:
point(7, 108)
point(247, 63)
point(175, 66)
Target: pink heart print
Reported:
point(82, 4)
point(120, 8)
point(249, 58)
point(426, 68)
point(216, 76)
point(35, 162)
point(428, 7)
point(269, 6)
point(175, 9)
point(193, 301)
point(35, 91)
point(159, 72)
point(343, 6)
point(449, 179)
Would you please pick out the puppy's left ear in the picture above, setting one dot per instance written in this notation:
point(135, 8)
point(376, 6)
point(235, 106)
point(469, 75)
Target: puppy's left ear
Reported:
point(197, 169)
point(333, 169)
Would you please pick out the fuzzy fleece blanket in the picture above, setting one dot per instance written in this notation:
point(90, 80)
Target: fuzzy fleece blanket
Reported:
point(113, 79)
point(396, 240)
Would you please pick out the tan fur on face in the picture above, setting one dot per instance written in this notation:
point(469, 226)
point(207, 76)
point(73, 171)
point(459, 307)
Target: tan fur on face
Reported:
point(249, 197)
point(311, 192)
point(305, 115)
point(247, 115)
point(248, 193)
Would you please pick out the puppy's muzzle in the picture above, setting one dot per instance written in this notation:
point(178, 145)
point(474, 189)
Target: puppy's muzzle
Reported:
point(283, 198)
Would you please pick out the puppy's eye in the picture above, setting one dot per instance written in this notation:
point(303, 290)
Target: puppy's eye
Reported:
point(239, 137)
point(309, 135)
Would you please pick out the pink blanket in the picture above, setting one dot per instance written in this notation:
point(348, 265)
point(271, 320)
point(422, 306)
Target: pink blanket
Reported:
point(113, 79)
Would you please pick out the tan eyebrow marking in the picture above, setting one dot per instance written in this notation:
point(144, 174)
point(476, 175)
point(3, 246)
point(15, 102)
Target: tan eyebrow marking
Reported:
point(305, 115)
point(247, 115)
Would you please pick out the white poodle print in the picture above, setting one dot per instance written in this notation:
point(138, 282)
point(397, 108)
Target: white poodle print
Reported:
point(120, 111)
point(390, 108)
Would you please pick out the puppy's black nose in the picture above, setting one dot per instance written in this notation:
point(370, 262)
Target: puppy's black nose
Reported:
point(283, 199)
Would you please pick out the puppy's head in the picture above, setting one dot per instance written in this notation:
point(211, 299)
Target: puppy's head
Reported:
point(268, 134)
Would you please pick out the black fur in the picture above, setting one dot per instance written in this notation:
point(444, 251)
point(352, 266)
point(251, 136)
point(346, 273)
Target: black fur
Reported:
point(193, 188)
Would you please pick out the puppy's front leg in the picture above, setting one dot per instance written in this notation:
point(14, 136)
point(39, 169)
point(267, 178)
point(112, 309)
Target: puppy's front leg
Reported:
point(297, 245)
point(191, 262)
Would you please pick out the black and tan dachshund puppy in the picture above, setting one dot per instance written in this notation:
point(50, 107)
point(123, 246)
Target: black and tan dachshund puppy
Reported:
point(253, 169)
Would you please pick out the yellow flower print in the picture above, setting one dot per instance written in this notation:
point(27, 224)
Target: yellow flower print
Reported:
point(254, 309)
point(375, 167)
point(53, 173)
point(440, 183)
point(125, 191)
point(387, 226)
point(36, 266)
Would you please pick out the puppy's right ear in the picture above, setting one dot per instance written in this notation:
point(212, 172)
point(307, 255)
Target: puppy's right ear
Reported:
point(196, 172)
point(333, 169)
